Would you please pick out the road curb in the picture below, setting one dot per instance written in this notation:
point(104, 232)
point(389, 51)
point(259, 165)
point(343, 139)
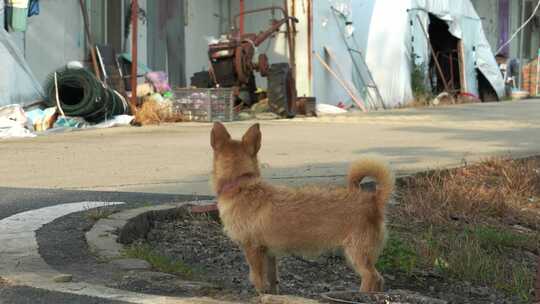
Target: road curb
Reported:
point(108, 236)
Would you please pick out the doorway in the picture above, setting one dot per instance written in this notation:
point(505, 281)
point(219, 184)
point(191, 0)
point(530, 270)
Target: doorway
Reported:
point(447, 54)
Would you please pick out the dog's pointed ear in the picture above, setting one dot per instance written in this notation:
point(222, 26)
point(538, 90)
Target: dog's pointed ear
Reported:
point(219, 136)
point(252, 139)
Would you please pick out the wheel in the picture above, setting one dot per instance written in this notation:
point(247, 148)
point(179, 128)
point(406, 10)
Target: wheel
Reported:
point(282, 90)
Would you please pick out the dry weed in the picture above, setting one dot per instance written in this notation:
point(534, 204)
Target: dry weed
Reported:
point(495, 188)
point(153, 113)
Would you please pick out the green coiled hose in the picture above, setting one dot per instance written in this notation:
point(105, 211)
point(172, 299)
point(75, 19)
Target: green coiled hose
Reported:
point(82, 94)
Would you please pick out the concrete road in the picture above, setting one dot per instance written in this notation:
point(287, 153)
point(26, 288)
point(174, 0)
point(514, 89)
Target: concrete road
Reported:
point(177, 158)
point(16, 200)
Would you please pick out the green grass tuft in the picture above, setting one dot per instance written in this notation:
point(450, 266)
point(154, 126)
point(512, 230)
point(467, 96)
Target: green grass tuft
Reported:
point(397, 255)
point(479, 255)
point(159, 262)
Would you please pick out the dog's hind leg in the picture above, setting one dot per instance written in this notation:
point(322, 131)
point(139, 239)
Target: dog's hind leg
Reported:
point(363, 262)
point(262, 269)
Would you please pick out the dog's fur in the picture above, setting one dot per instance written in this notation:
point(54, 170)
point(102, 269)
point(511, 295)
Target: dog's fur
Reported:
point(266, 220)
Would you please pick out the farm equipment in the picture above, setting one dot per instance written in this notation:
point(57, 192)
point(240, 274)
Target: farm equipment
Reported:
point(232, 64)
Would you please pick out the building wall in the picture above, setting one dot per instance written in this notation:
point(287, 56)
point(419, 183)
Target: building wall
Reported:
point(328, 32)
point(203, 21)
point(54, 37)
point(489, 13)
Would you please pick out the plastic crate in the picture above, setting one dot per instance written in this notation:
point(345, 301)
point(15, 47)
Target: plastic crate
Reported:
point(204, 105)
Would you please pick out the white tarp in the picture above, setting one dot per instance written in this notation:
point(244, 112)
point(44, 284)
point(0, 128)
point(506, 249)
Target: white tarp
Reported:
point(386, 32)
point(389, 44)
point(17, 82)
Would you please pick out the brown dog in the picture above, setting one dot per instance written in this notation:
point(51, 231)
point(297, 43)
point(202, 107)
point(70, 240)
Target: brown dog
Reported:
point(266, 220)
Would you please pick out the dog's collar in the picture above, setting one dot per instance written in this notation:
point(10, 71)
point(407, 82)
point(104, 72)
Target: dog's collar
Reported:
point(230, 185)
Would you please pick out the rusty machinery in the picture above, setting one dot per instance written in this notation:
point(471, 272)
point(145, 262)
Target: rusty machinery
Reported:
point(232, 64)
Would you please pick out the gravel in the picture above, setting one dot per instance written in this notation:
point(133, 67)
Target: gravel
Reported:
point(201, 244)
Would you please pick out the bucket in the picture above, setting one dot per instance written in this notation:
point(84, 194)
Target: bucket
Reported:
point(517, 94)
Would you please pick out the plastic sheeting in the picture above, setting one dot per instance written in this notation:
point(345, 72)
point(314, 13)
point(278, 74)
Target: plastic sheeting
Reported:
point(17, 82)
point(387, 32)
point(390, 46)
point(2, 13)
point(14, 123)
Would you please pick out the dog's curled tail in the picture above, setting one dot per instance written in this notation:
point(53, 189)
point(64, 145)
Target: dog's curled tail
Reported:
point(374, 168)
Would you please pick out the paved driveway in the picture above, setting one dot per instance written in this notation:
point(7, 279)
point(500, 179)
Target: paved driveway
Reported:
point(176, 158)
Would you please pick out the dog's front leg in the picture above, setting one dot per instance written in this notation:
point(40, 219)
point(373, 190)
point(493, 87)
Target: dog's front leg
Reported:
point(258, 260)
point(272, 274)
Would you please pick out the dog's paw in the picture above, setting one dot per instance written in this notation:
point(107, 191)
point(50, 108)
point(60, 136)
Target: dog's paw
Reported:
point(268, 289)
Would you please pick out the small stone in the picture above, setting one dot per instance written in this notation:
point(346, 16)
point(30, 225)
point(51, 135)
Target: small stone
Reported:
point(131, 264)
point(63, 278)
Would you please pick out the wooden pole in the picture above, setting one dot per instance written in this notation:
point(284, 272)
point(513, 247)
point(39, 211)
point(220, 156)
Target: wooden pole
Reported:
point(89, 40)
point(340, 70)
point(134, 53)
point(446, 88)
point(357, 101)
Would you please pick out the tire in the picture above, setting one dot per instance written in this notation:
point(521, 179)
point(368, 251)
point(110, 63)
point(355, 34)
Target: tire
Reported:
point(281, 90)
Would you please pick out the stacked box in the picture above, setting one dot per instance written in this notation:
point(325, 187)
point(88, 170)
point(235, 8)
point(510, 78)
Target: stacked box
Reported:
point(204, 105)
point(530, 77)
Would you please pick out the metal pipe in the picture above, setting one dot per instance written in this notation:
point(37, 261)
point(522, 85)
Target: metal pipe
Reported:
point(521, 45)
point(275, 27)
point(134, 53)
point(310, 45)
point(242, 12)
point(269, 8)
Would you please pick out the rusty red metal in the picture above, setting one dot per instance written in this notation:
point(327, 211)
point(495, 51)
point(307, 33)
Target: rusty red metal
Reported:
point(242, 9)
point(258, 10)
point(241, 48)
point(262, 65)
point(310, 42)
